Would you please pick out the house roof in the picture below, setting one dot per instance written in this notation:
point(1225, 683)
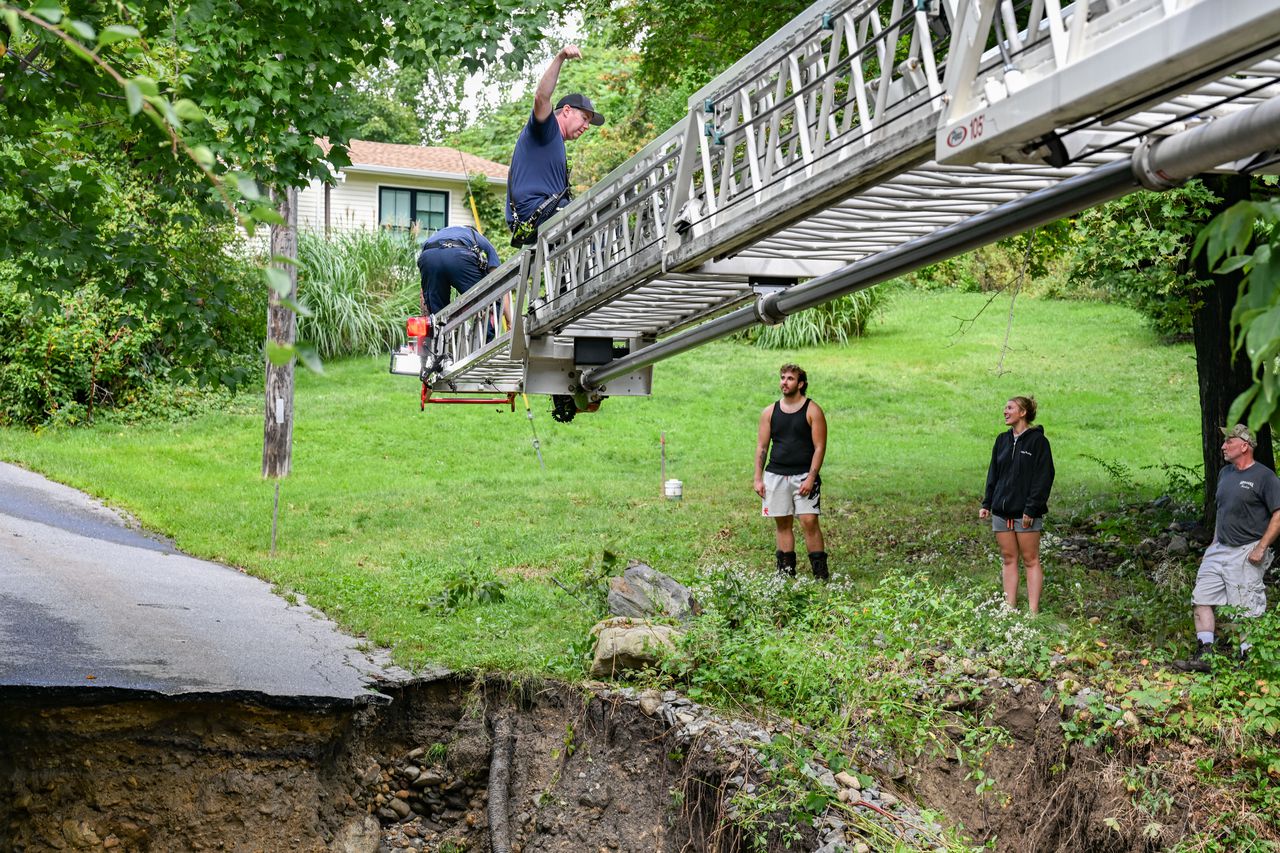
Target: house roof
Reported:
point(437, 160)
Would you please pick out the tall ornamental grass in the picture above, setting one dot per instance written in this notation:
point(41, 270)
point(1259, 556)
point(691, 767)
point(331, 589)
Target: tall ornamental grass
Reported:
point(832, 323)
point(359, 286)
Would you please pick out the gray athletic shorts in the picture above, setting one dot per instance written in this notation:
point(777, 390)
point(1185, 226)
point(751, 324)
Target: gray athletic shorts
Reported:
point(1001, 525)
point(1227, 577)
point(782, 496)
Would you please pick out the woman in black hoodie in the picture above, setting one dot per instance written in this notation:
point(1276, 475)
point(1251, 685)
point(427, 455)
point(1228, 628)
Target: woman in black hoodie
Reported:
point(1017, 496)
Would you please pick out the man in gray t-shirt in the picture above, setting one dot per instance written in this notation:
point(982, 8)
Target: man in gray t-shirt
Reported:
point(1248, 521)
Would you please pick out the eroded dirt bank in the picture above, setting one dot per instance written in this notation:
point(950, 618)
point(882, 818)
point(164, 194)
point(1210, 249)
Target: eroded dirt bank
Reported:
point(411, 769)
point(113, 770)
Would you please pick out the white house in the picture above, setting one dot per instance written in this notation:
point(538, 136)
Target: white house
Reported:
point(395, 185)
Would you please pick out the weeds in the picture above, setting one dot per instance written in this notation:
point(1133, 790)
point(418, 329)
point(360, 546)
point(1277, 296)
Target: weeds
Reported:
point(465, 589)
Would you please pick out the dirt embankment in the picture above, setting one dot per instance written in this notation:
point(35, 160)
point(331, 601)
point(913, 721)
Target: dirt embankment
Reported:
point(603, 771)
point(104, 770)
point(1056, 796)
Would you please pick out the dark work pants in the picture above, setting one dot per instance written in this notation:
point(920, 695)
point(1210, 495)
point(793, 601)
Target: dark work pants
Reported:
point(443, 269)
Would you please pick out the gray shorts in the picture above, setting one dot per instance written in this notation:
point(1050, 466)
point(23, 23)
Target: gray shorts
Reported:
point(1001, 525)
point(1227, 577)
point(782, 495)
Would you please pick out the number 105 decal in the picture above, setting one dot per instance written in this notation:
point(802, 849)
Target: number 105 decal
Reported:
point(972, 130)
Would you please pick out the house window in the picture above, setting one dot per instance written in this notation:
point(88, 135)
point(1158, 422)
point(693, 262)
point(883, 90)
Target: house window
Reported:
point(398, 208)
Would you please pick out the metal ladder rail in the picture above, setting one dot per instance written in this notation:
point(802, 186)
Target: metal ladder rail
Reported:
point(596, 234)
point(736, 169)
point(480, 355)
point(602, 294)
point(1156, 164)
point(1074, 65)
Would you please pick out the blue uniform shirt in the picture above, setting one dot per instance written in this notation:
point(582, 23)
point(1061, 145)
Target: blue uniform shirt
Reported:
point(539, 167)
point(470, 236)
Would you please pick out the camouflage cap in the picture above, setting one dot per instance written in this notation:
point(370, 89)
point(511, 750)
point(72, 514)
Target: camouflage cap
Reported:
point(1241, 432)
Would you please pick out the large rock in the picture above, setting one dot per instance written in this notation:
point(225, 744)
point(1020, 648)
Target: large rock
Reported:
point(642, 592)
point(623, 644)
point(363, 835)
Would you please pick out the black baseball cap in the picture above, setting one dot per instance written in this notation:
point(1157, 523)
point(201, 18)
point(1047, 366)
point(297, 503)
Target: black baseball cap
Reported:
point(580, 101)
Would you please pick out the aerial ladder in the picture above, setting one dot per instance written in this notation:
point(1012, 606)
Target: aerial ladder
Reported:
point(863, 140)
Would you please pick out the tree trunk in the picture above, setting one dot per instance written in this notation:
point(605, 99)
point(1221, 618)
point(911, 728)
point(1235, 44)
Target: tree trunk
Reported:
point(1221, 377)
point(282, 329)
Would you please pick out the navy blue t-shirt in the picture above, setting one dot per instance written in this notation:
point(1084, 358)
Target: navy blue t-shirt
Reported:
point(539, 167)
point(470, 236)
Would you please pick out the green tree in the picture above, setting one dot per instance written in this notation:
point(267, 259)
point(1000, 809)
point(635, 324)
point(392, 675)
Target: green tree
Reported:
point(235, 88)
point(1138, 250)
point(381, 103)
point(684, 45)
point(1141, 248)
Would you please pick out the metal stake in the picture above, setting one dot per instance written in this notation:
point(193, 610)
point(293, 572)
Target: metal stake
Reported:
point(662, 445)
point(275, 515)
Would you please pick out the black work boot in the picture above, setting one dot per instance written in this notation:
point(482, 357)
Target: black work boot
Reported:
point(786, 562)
point(818, 562)
point(1199, 661)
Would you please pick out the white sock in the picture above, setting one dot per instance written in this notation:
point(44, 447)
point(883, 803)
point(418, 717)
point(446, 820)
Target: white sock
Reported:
point(1204, 636)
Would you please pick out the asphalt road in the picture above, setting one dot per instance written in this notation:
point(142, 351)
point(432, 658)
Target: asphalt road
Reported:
point(88, 602)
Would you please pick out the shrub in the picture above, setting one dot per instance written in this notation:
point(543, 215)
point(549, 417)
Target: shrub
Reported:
point(57, 367)
point(832, 323)
point(359, 286)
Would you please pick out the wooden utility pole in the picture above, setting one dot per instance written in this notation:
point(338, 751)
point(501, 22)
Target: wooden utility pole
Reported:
point(282, 330)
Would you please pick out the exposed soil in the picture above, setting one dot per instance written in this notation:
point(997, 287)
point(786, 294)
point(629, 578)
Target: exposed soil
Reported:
point(113, 770)
point(1050, 795)
point(589, 771)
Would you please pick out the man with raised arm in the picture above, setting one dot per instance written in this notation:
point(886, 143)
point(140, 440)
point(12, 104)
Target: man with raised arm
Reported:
point(538, 183)
point(1247, 524)
point(793, 438)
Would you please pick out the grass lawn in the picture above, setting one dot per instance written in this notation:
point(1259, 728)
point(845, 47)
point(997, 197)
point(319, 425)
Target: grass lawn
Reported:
point(387, 506)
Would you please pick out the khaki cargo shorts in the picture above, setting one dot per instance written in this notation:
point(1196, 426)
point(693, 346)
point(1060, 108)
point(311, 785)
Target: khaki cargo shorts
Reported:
point(1226, 577)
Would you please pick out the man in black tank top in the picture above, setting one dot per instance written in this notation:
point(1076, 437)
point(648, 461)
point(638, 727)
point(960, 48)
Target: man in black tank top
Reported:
point(793, 438)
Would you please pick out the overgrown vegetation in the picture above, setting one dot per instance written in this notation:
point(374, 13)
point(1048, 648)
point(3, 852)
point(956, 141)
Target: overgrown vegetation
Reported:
point(835, 322)
point(358, 286)
point(69, 358)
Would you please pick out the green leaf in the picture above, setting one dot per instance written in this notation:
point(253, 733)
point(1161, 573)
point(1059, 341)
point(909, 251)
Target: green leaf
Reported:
point(1241, 403)
point(267, 215)
point(115, 33)
point(279, 354)
point(14, 23)
point(247, 185)
point(278, 280)
point(281, 259)
point(203, 156)
point(147, 85)
point(133, 97)
point(50, 10)
point(1233, 264)
point(309, 357)
point(80, 50)
point(297, 306)
point(187, 110)
point(1263, 334)
point(81, 30)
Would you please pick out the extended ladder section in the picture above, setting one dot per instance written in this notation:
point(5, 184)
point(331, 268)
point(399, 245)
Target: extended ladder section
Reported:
point(860, 141)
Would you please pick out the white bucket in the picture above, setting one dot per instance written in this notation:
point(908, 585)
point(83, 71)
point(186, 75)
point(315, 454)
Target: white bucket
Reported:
point(673, 489)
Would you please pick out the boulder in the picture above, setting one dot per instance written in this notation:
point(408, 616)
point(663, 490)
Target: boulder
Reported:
point(642, 592)
point(623, 643)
